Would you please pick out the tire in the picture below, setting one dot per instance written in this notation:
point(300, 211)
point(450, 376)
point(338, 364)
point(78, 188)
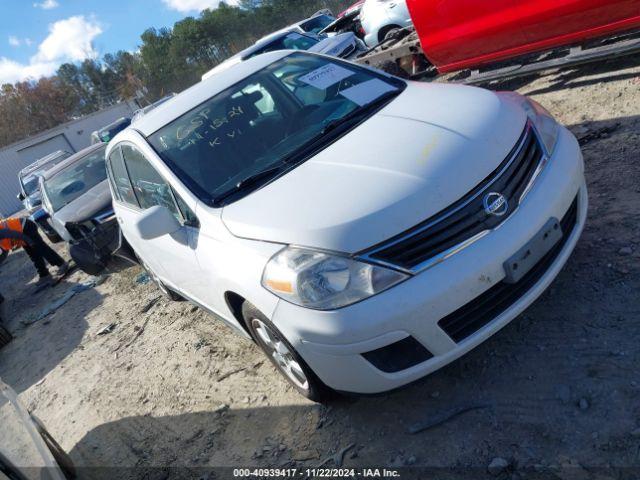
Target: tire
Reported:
point(301, 377)
point(166, 291)
point(388, 32)
point(5, 336)
point(61, 457)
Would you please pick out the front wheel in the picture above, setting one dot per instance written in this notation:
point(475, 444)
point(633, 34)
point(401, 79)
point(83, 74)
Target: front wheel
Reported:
point(284, 356)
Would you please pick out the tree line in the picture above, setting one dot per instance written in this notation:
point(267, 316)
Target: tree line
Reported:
point(168, 60)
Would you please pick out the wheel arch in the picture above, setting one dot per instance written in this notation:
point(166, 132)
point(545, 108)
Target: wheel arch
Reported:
point(386, 29)
point(234, 302)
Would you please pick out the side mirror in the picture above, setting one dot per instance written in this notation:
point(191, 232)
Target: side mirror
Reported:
point(20, 196)
point(156, 222)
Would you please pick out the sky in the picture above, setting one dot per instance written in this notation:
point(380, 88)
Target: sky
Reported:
point(37, 36)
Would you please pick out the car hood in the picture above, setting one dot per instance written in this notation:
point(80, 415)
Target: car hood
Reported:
point(416, 156)
point(342, 45)
point(84, 207)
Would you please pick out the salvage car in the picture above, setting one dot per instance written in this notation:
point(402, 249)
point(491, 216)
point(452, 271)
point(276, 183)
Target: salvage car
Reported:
point(30, 195)
point(381, 19)
point(344, 45)
point(76, 196)
point(314, 24)
point(352, 9)
point(365, 231)
point(486, 41)
point(106, 133)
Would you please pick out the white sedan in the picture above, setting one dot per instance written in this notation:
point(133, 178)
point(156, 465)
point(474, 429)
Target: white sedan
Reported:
point(363, 230)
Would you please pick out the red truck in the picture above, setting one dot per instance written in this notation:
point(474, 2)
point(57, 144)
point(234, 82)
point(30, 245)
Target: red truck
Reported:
point(502, 38)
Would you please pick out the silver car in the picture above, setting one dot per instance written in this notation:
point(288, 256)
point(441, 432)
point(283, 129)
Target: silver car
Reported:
point(344, 45)
point(77, 198)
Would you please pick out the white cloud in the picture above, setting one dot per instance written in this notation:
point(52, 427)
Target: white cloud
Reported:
point(69, 40)
point(185, 6)
point(47, 4)
point(11, 72)
point(14, 41)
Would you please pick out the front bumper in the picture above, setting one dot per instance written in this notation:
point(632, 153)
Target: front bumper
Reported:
point(332, 343)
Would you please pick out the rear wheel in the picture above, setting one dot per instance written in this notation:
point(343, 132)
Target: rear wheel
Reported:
point(284, 356)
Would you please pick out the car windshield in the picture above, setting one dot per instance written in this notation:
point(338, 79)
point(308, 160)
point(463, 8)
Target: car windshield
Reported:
point(30, 180)
point(270, 120)
point(317, 24)
point(75, 180)
point(291, 41)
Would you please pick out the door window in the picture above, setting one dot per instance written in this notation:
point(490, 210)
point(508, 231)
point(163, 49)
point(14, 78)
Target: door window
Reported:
point(119, 179)
point(189, 216)
point(149, 187)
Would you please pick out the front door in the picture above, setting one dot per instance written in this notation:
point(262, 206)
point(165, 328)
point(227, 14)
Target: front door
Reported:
point(139, 187)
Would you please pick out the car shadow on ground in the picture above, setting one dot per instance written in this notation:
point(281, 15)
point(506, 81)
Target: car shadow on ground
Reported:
point(41, 342)
point(571, 77)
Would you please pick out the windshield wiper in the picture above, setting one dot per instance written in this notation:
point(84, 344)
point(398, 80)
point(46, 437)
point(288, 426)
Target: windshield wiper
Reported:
point(248, 182)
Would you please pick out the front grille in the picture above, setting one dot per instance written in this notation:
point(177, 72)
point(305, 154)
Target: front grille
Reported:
point(467, 217)
point(471, 317)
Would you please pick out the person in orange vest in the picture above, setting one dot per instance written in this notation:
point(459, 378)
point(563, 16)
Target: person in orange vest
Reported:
point(23, 233)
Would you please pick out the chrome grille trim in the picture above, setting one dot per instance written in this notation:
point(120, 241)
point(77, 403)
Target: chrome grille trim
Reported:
point(527, 135)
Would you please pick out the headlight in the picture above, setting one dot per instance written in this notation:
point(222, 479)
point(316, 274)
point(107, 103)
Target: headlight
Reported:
point(323, 281)
point(546, 126)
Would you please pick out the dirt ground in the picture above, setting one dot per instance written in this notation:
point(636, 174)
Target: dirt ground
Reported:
point(170, 387)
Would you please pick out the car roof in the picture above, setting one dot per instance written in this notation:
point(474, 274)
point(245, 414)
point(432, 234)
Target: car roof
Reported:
point(42, 162)
point(203, 91)
point(52, 172)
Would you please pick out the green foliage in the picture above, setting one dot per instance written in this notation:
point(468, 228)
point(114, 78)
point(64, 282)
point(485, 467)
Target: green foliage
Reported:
point(168, 60)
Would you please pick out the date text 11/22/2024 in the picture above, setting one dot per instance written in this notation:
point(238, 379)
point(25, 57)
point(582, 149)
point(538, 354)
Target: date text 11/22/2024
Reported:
point(316, 473)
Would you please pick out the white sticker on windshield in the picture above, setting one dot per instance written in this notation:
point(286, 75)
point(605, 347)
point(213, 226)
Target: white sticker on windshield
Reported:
point(367, 92)
point(326, 76)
